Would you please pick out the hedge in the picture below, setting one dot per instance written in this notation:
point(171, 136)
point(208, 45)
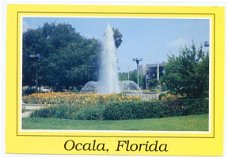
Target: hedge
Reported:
point(72, 111)
point(158, 109)
point(126, 110)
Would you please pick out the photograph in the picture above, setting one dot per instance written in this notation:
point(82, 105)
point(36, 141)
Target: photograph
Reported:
point(115, 73)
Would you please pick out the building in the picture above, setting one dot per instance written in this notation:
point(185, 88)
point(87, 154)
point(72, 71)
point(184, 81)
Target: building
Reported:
point(152, 71)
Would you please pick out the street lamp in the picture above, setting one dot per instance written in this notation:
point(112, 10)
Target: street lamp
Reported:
point(36, 59)
point(206, 44)
point(137, 60)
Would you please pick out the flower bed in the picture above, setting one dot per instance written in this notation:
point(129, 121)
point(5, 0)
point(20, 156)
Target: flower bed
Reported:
point(75, 98)
point(122, 110)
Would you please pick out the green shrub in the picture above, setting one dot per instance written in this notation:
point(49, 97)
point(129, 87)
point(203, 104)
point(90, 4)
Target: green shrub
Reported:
point(154, 109)
point(91, 113)
point(72, 111)
point(55, 111)
point(161, 95)
point(125, 110)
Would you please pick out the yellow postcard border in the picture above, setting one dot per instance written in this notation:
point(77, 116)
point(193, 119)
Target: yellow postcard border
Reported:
point(215, 133)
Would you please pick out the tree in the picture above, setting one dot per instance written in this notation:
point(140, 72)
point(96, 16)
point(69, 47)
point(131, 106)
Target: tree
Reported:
point(123, 76)
point(117, 37)
point(33, 43)
point(188, 73)
point(133, 77)
point(72, 66)
point(67, 58)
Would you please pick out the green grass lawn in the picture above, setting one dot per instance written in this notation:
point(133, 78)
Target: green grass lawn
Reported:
point(181, 123)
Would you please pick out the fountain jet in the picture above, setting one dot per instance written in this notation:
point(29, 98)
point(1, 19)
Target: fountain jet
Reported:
point(109, 80)
point(108, 73)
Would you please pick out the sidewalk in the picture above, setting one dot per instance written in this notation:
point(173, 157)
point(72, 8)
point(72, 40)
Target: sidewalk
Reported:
point(27, 109)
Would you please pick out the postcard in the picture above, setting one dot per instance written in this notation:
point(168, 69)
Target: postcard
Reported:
point(115, 80)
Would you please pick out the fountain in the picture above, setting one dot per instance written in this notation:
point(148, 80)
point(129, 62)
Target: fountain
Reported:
point(108, 75)
point(108, 69)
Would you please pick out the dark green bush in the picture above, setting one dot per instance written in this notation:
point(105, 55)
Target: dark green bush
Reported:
point(55, 111)
point(156, 109)
point(161, 96)
point(126, 110)
point(90, 112)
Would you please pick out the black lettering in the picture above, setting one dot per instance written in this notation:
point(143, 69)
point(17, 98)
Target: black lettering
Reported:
point(134, 147)
point(67, 144)
point(76, 146)
point(164, 147)
point(94, 144)
point(87, 146)
point(101, 147)
point(120, 144)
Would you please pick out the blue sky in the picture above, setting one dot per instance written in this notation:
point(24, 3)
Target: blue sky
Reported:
point(150, 39)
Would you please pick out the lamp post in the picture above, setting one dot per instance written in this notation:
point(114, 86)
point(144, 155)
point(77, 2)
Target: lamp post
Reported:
point(137, 60)
point(36, 59)
point(206, 44)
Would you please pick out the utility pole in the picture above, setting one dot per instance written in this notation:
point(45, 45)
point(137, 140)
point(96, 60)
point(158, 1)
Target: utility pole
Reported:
point(36, 59)
point(158, 71)
point(137, 60)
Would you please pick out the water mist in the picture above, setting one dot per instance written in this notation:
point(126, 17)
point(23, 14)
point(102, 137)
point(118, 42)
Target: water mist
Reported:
point(108, 77)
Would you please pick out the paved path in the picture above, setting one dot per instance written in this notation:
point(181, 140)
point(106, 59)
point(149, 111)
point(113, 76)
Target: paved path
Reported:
point(146, 96)
point(29, 108)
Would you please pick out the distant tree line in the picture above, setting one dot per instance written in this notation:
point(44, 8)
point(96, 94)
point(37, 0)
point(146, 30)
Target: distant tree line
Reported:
point(123, 76)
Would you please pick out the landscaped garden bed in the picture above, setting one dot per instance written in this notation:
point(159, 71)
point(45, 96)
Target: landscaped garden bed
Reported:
point(111, 107)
